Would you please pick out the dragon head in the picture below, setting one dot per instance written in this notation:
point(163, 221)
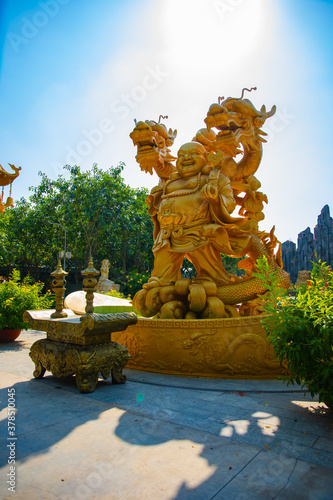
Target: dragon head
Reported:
point(5, 177)
point(238, 122)
point(153, 141)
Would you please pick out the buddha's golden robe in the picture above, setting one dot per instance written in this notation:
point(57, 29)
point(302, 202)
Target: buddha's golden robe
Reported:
point(187, 224)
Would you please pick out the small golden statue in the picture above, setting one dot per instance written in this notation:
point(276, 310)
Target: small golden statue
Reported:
point(105, 285)
point(192, 211)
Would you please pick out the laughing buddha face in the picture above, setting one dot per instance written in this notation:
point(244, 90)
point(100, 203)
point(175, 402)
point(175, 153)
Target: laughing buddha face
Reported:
point(191, 159)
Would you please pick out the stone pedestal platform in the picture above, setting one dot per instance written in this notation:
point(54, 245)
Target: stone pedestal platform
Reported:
point(234, 348)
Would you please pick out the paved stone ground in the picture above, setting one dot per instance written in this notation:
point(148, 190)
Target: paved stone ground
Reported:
point(161, 437)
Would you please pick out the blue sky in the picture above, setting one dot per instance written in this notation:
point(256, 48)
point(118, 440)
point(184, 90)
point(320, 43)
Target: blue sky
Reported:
point(75, 74)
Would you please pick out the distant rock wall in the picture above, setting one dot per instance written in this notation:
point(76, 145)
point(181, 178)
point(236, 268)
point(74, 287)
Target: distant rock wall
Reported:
point(310, 247)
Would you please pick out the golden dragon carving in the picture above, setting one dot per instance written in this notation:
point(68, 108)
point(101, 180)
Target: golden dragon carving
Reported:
point(5, 177)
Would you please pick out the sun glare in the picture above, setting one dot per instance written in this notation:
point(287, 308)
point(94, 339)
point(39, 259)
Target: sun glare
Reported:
point(198, 27)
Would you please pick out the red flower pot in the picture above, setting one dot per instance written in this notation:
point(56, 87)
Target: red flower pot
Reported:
point(9, 335)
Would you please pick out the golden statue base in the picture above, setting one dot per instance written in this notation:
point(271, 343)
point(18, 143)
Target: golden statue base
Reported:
point(234, 348)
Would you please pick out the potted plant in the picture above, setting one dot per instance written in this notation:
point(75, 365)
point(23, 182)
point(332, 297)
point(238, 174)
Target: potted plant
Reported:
point(300, 328)
point(15, 298)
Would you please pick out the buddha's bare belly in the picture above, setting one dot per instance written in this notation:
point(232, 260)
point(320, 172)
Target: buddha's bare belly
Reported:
point(183, 210)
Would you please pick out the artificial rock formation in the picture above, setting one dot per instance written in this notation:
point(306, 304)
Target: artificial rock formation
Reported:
point(310, 247)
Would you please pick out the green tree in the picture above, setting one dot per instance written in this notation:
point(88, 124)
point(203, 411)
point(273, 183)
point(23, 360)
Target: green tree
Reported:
point(103, 217)
point(23, 244)
point(3, 240)
point(231, 265)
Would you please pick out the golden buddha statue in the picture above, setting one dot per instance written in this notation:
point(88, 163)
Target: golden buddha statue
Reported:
point(192, 209)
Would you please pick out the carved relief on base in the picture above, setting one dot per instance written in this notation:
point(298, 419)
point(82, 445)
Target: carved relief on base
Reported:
point(85, 362)
point(215, 348)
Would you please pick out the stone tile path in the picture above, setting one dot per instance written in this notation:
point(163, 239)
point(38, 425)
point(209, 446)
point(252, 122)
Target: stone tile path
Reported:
point(161, 437)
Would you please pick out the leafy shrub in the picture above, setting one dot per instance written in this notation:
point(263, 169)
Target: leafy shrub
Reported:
point(133, 282)
point(16, 297)
point(301, 328)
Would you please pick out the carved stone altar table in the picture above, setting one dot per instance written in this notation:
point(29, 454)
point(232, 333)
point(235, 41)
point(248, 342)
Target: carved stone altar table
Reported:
point(80, 346)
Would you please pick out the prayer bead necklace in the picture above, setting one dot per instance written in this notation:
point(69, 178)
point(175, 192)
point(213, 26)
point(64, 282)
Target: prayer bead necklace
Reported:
point(181, 193)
